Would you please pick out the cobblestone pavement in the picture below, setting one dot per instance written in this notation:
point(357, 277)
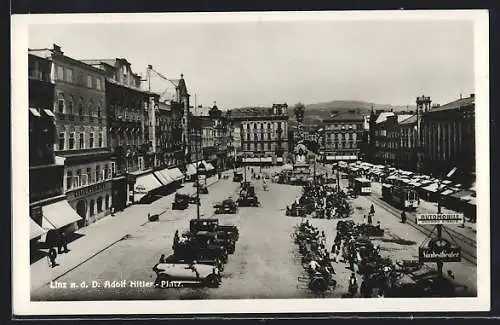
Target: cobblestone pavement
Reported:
point(265, 264)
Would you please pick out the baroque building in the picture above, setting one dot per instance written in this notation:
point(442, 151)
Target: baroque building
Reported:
point(81, 123)
point(264, 134)
point(342, 137)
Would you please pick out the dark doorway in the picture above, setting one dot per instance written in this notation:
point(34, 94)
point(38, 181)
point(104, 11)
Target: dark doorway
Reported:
point(81, 209)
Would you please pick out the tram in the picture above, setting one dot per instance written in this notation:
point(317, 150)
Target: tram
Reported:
point(403, 197)
point(362, 186)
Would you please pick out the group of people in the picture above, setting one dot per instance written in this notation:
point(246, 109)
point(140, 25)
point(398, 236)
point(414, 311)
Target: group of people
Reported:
point(321, 201)
point(60, 242)
point(312, 243)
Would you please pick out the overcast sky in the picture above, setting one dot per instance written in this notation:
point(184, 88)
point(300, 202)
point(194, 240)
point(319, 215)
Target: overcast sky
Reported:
point(256, 64)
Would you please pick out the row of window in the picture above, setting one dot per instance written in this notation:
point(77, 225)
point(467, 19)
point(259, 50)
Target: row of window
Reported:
point(256, 137)
point(340, 136)
point(250, 146)
point(97, 205)
point(73, 142)
point(346, 145)
point(73, 106)
point(261, 126)
point(344, 126)
point(66, 74)
point(87, 177)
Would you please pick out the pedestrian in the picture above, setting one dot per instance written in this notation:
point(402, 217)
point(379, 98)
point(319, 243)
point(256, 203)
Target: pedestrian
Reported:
point(162, 258)
point(364, 219)
point(52, 257)
point(378, 224)
point(370, 219)
point(353, 285)
point(372, 209)
point(403, 217)
point(63, 243)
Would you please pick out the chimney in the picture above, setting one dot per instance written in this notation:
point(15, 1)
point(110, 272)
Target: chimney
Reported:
point(57, 49)
point(472, 95)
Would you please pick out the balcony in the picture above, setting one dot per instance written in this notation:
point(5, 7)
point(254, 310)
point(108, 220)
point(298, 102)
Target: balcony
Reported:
point(45, 182)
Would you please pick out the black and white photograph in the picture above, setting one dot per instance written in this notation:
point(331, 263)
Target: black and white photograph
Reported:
point(258, 162)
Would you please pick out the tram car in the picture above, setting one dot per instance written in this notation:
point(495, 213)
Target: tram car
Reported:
point(362, 186)
point(404, 197)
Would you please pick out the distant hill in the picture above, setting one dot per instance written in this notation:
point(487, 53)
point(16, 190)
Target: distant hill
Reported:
point(316, 113)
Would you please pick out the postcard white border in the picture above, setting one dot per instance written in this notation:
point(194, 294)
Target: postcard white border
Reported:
point(20, 196)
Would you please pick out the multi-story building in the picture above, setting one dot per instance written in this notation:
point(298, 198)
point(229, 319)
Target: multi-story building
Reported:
point(342, 137)
point(449, 139)
point(49, 209)
point(81, 123)
point(408, 135)
point(264, 134)
point(387, 137)
point(125, 105)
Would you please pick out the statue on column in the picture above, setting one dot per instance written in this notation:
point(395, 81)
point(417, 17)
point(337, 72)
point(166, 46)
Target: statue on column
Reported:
point(300, 149)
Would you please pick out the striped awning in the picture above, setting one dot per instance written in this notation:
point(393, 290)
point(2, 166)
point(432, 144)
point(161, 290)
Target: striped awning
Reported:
point(36, 230)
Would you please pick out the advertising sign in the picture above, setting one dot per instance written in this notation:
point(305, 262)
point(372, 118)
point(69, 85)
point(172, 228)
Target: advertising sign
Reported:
point(440, 219)
point(450, 254)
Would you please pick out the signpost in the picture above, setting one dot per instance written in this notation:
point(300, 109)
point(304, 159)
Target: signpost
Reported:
point(439, 250)
point(440, 219)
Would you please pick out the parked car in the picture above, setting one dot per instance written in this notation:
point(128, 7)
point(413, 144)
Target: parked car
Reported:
point(227, 206)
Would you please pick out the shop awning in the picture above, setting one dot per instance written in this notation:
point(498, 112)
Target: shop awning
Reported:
point(208, 166)
point(35, 112)
point(191, 169)
point(175, 174)
point(447, 192)
point(58, 215)
point(279, 159)
point(266, 159)
point(463, 195)
point(49, 112)
point(434, 187)
point(163, 177)
point(146, 183)
point(36, 230)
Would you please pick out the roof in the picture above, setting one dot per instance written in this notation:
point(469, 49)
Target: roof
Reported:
point(463, 102)
point(345, 117)
point(111, 62)
point(403, 117)
point(412, 119)
point(383, 116)
point(253, 112)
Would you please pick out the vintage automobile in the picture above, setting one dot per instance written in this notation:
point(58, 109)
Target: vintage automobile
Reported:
point(175, 259)
point(226, 239)
point(181, 202)
point(226, 206)
point(205, 224)
point(237, 177)
point(370, 230)
point(201, 246)
point(248, 201)
point(172, 274)
point(230, 230)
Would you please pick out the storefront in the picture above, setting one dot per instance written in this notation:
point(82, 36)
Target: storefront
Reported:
point(91, 202)
point(143, 185)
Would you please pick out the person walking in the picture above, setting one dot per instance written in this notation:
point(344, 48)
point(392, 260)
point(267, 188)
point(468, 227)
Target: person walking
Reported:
point(62, 245)
point(403, 217)
point(370, 218)
point(353, 285)
point(52, 257)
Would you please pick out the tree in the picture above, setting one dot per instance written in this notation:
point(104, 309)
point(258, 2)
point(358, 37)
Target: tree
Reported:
point(299, 110)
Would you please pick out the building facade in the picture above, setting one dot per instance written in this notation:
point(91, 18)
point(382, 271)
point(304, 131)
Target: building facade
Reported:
point(126, 105)
point(264, 134)
point(407, 158)
point(81, 132)
point(449, 139)
point(342, 137)
point(46, 173)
